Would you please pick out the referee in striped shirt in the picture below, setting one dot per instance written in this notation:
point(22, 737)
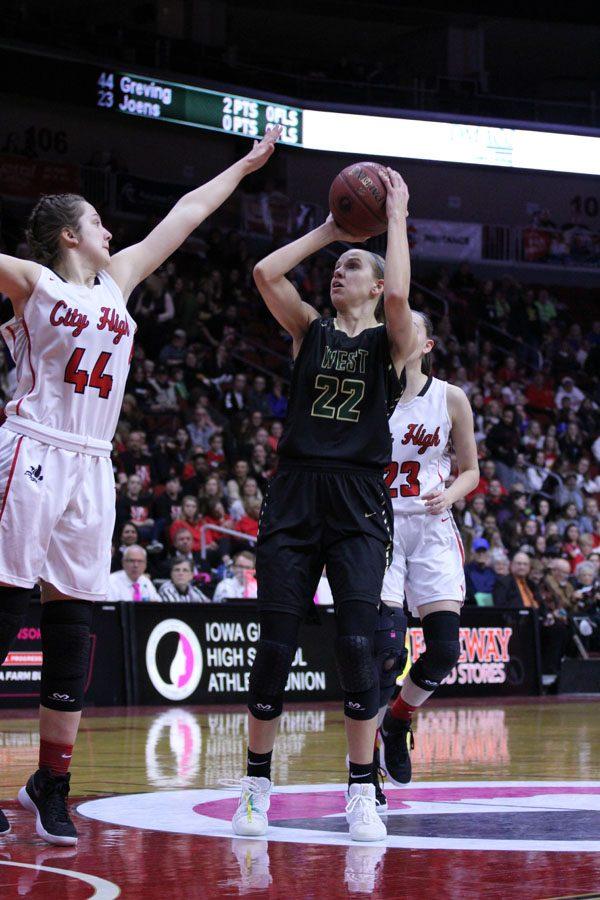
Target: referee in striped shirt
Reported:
point(179, 588)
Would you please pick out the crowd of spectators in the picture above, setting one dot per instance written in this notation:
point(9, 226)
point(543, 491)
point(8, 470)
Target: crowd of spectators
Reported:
point(206, 399)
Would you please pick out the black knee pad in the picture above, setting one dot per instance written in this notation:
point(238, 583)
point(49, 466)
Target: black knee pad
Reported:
point(14, 603)
point(65, 627)
point(357, 671)
point(390, 649)
point(268, 678)
point(441, 631)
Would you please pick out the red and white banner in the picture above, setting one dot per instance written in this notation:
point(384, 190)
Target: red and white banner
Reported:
point(431, 239)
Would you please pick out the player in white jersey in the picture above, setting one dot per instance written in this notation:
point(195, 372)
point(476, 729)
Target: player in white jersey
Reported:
point(428, 560)
point(72, 340)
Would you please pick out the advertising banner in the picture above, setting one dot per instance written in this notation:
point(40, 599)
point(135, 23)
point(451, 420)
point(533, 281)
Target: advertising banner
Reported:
point(199, 654)
point(430, 239)
point(149, 653)
point(107, 680)
point(499, 654)
point(141, 196)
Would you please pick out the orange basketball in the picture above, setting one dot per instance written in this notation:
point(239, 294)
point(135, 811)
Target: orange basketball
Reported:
point(357, 199)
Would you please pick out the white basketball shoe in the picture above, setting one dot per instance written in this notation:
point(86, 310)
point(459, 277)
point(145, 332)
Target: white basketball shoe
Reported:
point(250, 818)
point(361, 814)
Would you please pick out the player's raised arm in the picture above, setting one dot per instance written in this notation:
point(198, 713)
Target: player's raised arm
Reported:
point(463, 439)
point(278, 292)
point(18, 278)
point(135, 263)
point(398, 316)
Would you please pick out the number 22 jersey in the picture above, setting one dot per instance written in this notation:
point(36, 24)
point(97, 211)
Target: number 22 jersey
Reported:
point(343, 392)
point(72, 349)
point(420, 457)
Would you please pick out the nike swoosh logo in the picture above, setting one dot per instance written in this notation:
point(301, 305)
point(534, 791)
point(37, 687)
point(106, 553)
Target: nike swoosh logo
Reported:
point(368, 515)
point(446, 519)
point(354, 775)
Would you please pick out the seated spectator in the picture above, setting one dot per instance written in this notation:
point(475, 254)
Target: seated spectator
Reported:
point(216, 541)
point(196, 472)
point(480, 577)
point(127, 537)
point(257, 396)
point(559, 583)
point(235, 398)
point(190, 521)
point(571, 548)
point(136, 460)
point(201, 428)
point(180, 587)
point(173, 353)
point(215, 455)
point(568, 492)
point(277, 400)
point(515, 590)
point(135, 506)
point(241, 467)
point(569, 389)
point(242, 582)
point(131, 583)
point(182, 550)
point(248, 524)
point(167, 507)
point(275, 432)
point(165, 396)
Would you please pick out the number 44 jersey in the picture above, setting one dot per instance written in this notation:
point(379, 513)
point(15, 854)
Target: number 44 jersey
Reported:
point(420, 457)
point(72, 349)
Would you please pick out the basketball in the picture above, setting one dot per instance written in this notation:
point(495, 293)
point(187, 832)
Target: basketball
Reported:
point(357, 199)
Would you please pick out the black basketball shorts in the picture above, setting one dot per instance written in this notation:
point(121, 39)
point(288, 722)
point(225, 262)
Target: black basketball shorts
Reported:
point(341, 519)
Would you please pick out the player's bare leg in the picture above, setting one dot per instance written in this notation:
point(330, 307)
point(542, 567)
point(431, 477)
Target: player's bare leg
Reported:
point(65, 627)
point(440, 625)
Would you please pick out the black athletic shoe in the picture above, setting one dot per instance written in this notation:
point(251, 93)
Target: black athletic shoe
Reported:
point(45, 795)
point(381, 804)
point(396, 742)
point(4, 824)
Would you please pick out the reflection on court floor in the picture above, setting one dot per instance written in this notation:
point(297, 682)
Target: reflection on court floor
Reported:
point(505, 802)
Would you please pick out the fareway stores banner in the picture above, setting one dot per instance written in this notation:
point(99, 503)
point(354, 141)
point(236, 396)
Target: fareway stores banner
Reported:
point(431, 239)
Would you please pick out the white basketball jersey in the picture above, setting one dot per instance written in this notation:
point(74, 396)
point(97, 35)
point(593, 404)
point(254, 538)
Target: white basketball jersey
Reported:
point(72, 349)
point(420, 458)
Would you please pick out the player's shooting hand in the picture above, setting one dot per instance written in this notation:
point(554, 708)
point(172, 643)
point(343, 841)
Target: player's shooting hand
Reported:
point(262, 150)
point(338, 233)
point(396, 205)
point(436, 502)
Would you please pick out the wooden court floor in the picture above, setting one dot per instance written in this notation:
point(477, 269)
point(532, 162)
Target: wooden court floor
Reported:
point(505, 802)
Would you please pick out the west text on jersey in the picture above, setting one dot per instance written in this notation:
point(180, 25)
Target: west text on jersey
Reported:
point(345, 360)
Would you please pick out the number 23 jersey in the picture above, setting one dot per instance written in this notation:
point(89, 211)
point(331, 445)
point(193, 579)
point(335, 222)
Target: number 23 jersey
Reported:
point(420, 457)
point(72, 349)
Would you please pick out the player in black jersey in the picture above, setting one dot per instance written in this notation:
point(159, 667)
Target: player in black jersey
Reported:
point(328, 503)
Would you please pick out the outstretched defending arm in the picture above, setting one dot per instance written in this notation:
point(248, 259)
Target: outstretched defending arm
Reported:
point(135, 263)
point(398, 317)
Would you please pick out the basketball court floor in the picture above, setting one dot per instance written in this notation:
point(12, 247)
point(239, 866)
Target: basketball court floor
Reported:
point(505, 802)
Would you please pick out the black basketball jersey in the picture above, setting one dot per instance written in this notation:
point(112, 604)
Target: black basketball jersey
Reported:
point(344, 389)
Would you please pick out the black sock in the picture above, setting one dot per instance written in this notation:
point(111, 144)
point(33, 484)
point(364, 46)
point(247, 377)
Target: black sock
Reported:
point(360, 773)
point(259, 764)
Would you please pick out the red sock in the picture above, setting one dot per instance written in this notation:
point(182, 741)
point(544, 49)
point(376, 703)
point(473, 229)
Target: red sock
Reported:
point(400, 709)
point(56, 757)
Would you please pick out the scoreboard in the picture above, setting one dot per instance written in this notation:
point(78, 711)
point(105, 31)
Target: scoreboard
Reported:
point(477, 142)
point(169, 101)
